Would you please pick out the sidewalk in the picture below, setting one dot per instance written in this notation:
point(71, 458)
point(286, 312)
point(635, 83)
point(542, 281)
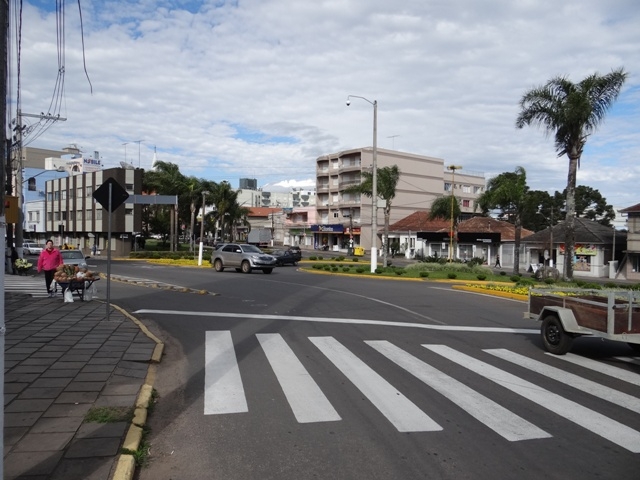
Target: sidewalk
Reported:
point(61, 360)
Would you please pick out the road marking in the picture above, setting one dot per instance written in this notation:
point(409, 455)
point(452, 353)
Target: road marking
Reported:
point(397, 408)
point(349, 321)
point(615, 372)
point(591, 420)
point(306, 399)
point(223, 391)
point(609, 394)
point(496, 417)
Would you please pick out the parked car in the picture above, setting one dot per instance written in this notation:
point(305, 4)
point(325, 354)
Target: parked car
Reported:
point(296, 252)
point(243, 257)
point(284, 257)
point(30, 248)
point(74, 257)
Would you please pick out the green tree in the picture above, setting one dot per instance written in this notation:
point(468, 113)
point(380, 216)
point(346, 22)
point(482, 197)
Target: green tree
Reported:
point(387, 182)
point(571, 112)
point(447, 207)
point(507, 192)
point(592, 205)
point(224, 199)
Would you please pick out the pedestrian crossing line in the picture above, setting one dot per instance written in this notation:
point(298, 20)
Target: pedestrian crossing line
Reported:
point(609, 394)
point(224, 392)
point(397, 408)
point(633, 360)
point(305, 398)
point(505, 423)
point(597, 423)
point(610, 370)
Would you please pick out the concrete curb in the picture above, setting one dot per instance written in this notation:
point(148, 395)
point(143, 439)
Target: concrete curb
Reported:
point(126, 464)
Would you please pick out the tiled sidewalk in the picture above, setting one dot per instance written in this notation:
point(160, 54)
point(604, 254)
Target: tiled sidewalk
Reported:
point(62, 359)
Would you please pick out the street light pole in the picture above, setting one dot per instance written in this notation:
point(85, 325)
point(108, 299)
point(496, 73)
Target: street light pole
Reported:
point(453, 169)
point(204, 194)
point(374, 186)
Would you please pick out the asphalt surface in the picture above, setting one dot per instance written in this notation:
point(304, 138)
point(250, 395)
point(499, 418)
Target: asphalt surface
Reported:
point(62, 360)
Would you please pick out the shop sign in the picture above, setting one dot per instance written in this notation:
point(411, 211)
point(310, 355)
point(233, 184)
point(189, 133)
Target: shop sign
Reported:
point(327, 228)
point(581, 249)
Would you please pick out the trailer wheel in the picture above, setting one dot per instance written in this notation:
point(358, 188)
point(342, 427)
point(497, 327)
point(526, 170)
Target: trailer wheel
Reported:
point(555, 339)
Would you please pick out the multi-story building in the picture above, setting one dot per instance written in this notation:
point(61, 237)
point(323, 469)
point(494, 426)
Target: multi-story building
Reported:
point(342, 215)
point(72, 216)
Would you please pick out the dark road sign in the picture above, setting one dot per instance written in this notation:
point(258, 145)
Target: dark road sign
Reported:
point(118, 194)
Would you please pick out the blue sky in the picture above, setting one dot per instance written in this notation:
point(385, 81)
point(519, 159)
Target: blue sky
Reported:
point(257, 88)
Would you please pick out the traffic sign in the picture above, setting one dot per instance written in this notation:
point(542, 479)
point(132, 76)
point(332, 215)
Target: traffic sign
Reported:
point(118, 194)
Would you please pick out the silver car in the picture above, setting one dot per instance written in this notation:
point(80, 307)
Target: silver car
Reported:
point(30, 248)
point(243, 257)
point(74, 257)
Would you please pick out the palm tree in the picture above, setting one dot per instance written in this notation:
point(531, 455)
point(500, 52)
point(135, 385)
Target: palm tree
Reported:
point(572, 112)
point(387, 181)
point(508, 193)
point(224, 198)
point(447, 208)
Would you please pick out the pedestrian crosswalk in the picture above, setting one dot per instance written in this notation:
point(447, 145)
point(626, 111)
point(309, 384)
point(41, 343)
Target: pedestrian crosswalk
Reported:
point(26, 284)
point(225, 391)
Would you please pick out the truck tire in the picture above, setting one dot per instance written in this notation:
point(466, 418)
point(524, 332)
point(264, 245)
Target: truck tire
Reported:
point(267, 270)
point(217, 264)
point(246, 267)
point(555, 339)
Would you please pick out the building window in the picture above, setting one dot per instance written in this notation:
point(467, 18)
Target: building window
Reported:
point(128, 211)
point(99, 214)
point(89, 190)
point(50, 196)
point(56, 195)
point(477, 189)
point(336, 214)
point(56, 216)
point(129, 187)
point(447, 186)
point(89, 215)
point(78, 215)
point(466, 203)
point(49, 216)
point(79, 192)
point(466, 188)
point(64, 194)
point(64, 216)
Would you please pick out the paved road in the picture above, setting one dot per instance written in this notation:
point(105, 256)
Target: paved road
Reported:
point(295, 376)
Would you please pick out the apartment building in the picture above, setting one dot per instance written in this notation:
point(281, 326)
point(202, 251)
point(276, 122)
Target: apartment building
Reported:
point(342, 215)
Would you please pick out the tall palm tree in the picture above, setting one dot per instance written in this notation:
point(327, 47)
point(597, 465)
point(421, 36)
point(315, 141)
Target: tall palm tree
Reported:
point(387, 182)
point(508, 193)
point(224, 198)
point(572, 112)
point(448, 208)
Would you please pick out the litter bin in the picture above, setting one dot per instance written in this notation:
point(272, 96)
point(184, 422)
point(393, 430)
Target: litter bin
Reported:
point(358, 251)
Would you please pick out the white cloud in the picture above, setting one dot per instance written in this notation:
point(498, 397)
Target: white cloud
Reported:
point(258, 88)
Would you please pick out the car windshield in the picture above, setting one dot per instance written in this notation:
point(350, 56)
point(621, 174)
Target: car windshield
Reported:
point(72, 254)
point(250, 249)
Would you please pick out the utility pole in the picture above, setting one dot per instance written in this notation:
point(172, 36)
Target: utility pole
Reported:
point(19, 228)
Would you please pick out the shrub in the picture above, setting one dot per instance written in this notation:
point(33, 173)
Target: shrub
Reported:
point(327, 268)
point(452, 275)
point(317, 266)
point(360, 269)
point(378, 271)
point(526, 282)
point(313, 257)
point(345, 269)
point(549, 281)
point(503, 273)
point(340, 258)
point(481, 276)
point(424, 274)
point(334, 269)
point(514, 278)
point(355, 259)
point(399, 271)
point(610, 285)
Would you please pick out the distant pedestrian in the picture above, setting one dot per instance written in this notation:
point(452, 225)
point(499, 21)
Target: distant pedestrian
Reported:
point(14, 257)
point(48, 261)
point(94, 249)
point(498, 261)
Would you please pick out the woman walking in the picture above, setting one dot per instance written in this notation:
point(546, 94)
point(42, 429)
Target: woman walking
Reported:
point(48, 261)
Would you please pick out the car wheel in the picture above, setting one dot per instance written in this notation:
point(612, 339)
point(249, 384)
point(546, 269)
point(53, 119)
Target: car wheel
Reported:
point(555, 339)
point(218, 265)
point(246, 267)
point(267, 270)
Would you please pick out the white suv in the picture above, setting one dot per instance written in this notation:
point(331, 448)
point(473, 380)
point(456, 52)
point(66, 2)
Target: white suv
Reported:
point(30, 248)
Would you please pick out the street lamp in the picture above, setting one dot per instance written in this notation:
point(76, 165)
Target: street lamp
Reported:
point(453, 169)
point(204, 194)
point(374, 181)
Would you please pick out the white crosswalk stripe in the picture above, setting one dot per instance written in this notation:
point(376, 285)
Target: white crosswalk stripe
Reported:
point(591, 420)
point(306, 399)
point(224, 390)
point(27, 284)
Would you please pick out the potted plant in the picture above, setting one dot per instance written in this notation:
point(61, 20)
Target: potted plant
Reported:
point(23, 266)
